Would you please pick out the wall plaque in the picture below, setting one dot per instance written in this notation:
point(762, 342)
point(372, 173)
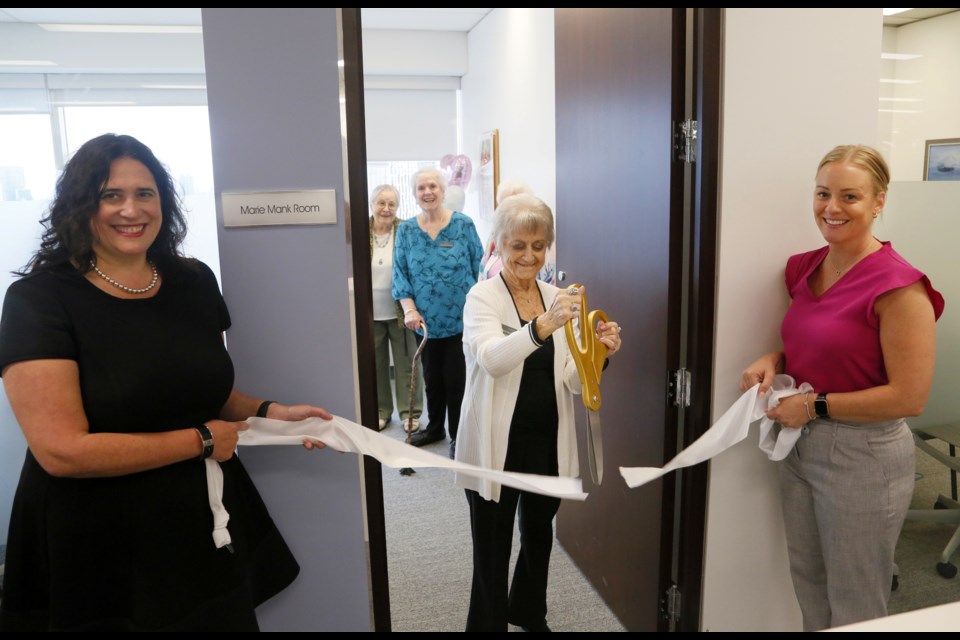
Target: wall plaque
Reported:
point(256, 209)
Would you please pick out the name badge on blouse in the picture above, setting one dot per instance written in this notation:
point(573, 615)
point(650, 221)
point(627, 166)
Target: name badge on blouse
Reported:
point(446, 245)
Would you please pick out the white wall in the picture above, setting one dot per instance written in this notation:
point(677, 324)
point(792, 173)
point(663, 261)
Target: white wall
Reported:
point(933, 81)
point(922, 221)
point(796, 83)
point(414, 53)
point(510, 87)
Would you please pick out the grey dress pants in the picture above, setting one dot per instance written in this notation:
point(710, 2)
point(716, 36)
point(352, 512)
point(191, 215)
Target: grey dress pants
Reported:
point(846, 490)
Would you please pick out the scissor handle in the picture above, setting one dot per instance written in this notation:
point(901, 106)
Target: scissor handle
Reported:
point(589, 353)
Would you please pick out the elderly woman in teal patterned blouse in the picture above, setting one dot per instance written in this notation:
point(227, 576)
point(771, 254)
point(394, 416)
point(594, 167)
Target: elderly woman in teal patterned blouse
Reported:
point(436, 261)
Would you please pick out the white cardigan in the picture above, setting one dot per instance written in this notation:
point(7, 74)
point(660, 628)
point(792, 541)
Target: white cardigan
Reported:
point(495, 347)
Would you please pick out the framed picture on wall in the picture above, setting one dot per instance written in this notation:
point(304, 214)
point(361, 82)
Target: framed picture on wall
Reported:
point(941, 160)
point(489, 172)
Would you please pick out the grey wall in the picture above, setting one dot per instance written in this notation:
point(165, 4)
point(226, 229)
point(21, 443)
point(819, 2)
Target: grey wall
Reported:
point(273, 98)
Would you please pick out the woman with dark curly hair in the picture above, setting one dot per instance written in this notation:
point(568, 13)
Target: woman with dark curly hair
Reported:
point(113, 360)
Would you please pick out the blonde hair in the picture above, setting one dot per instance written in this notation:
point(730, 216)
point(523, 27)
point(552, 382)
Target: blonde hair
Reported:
point(867, 158)
point(523, 211)
point(511, 187)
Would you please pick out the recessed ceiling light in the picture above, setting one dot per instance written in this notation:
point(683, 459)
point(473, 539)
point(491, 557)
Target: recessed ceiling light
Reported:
point(28, 63)
point(92, 103)
point(121, 28)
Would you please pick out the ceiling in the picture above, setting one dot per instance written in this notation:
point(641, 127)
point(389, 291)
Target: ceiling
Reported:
point(913, 15)
point(452, 19)
point(414, 19)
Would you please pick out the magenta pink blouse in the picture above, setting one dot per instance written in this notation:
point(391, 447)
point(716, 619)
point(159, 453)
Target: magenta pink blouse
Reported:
point(833, 341)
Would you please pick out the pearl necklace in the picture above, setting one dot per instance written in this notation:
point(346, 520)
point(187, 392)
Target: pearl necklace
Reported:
point(124, 287)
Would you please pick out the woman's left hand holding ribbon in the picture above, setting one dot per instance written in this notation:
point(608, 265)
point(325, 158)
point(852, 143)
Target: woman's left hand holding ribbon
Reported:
point(791, 412)
point(297, 412)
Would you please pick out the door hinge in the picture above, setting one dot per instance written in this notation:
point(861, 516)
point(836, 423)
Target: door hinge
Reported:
point(685, 141)
point(670, 604)
point(678, 388)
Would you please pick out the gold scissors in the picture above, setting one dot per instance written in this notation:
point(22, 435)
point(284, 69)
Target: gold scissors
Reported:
point(590, 354)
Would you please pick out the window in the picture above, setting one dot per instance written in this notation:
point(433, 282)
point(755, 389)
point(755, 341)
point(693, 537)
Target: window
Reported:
point(27, 167)
point(42, 127)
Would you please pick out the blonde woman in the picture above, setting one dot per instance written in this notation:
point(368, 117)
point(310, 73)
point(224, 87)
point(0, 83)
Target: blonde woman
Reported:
point(861, 330)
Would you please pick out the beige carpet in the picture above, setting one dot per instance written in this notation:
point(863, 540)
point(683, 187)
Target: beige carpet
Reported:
point(430, 564)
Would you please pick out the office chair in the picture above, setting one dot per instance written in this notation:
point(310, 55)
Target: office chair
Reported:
point(944, 509)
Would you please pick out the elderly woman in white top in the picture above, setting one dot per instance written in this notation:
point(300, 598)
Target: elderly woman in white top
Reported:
point(389, 332)
point(518, 415)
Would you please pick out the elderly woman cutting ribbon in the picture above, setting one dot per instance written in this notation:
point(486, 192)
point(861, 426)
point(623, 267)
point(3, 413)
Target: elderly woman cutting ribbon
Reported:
point(518, 414)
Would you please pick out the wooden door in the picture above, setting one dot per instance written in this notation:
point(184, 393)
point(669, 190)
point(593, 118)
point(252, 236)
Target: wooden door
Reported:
point(627, 231)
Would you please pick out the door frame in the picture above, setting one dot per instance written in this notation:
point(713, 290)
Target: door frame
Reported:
point(358, 229)
point(688, 518)
point(706, 87)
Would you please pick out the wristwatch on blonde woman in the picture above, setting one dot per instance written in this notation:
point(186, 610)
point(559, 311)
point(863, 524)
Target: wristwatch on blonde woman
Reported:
point(820, 407)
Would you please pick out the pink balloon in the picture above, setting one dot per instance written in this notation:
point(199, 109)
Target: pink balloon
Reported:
point(456, 169)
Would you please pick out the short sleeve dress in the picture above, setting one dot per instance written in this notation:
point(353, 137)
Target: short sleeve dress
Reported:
point(135, 552)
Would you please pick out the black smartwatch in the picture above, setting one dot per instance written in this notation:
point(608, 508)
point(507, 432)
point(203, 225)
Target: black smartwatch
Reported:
point(262, 409)
point(821, 407)
point(206, 439)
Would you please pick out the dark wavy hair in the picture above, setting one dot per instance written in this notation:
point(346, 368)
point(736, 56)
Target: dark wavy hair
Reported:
point(67, 238)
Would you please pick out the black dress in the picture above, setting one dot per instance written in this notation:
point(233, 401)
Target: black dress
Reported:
point(134, 552)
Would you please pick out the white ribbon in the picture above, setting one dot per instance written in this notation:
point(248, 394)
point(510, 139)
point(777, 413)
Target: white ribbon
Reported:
point(221, 537)
point(731, 428)
point(345, 436)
